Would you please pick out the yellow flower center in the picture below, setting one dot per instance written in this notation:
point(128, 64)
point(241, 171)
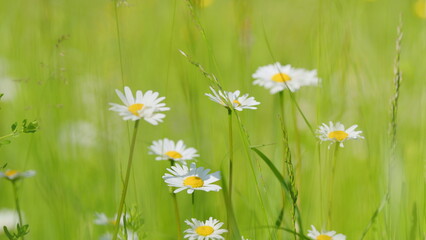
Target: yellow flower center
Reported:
point(194, 182)
point(281, 77)
point(204, 230)
point(113, 222)
point(173, 154)
point(10, 173)
point(420, 8)
point(237, 102)
point(134, 108)
point(338, 135)
point(324, 237)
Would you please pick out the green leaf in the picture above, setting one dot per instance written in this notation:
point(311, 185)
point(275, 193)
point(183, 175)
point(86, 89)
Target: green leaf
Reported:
point(32, 127)
point(4, 142)
point(14, 127)
point(8, 234)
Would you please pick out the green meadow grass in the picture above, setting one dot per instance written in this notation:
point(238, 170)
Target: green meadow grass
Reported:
point(60, 63)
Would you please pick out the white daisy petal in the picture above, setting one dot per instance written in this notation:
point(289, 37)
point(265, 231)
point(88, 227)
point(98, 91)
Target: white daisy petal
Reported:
point(208, 230)
point(146, 106)
point(166, 149)
point(277, 77)
point(324, 235)
point(191, 179)
point(233, 100)
point(337, 133)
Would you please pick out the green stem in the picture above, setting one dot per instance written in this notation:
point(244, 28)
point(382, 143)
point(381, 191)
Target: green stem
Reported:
point(330, 190)
point(6, 136)
point(193, 203)
point(18, 208)
point(281, 99)
point(117, 25)
point(231, 158)
point(176, 206)
point(126, 181)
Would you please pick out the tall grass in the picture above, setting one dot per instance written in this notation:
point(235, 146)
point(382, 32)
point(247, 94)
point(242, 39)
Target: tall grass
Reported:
point(78, 150)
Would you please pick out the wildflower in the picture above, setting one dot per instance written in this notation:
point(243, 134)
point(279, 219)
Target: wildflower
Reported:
point(276, 77)
point(166, 149)
point(331, 235)
point(233, 99)
point(191, 179)
point(8, 218)
point(337, 133)
point(102, 219)
point(210, 229)
point(147, 106)
point(14, 175)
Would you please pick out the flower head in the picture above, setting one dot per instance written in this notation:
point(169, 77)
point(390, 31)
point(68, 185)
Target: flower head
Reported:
point(166, 149)
point(331, 235)
point(191, 179)
point(337, 133)
point(14, 175)
point(277, 77)
point(233, 99)
point(147, 106)
point(8, 218)
point(102, 219)
point(208, 230)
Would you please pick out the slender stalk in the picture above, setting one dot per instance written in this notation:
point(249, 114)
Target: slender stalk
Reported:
point(298, 154)
point(6, 136)
point(175, 203)
point(330, 190)
point(176, 206)
point(117, 25)
point(231, 153)
point(126, 181)
point(18, 208)
point(281, 99)
point(193, 203)
point(231, 158)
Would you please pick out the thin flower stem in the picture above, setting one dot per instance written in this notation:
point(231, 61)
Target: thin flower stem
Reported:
point(176, 206)
point(18, 208)
point(231, 158)
point(126, 180)
point(193, 203)
point(284, 170)
point(330, 190)
point(7, 136)
point(117, 25)
point(179, 228)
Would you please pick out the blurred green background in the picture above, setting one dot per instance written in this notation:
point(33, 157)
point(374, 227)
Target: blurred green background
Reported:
point(60, 64)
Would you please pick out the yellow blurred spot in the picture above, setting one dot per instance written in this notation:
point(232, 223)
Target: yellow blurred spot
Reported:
point(194, 182)
point(134, 108)
point(203, 3)
point(204, 230)
point(10, 173)
point(174, 154)
point(338, 135)
point(281, 77)
point(237, 102)
point(420, 8)
point(324, 237)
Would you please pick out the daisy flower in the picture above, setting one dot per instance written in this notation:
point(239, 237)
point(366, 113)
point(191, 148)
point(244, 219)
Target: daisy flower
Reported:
point(166, 149)
point(8, 218)
point(191, 179)
point(102, 219)
point(13, 175)
point(276, 77)
point(210, 229)
point(147, 106)
point(331, 235)
point(233, 99)
point(337, 133)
